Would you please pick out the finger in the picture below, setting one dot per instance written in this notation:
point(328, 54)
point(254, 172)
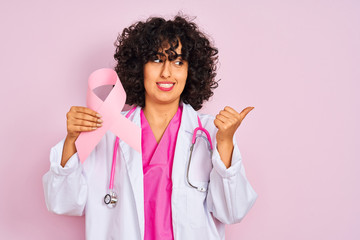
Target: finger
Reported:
point(231, 110)
point(227, 114)
point(245, 112)
point(87, 111)
point(85, 123)
point(221, 118)
point(234, 112)
point(87, 117)
point(83, 129)
point(217, 123)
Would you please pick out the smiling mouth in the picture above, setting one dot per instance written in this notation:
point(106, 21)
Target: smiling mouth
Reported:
point(165, 85)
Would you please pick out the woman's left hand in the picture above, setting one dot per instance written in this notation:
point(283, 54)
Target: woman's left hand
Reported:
point(227, 121)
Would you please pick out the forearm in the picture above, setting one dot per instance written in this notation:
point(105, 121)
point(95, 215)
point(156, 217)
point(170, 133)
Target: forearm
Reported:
point(68, 150)
point(225, 149)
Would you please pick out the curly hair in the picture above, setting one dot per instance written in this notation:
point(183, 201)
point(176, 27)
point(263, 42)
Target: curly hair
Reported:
point(141, 42)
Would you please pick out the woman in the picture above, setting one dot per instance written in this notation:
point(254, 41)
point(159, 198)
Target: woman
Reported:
point(167, 69)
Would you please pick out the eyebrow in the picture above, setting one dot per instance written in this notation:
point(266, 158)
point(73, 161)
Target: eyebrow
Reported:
point(162, 54)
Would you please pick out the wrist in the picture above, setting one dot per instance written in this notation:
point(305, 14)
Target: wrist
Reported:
point(225, 142)
point(68, 150)
point(70, 139)
point(225, 149)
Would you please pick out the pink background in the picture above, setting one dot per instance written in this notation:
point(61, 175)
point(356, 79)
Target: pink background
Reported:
point(297, 62)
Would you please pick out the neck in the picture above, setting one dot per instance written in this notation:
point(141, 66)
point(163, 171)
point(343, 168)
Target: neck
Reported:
point(160, 113)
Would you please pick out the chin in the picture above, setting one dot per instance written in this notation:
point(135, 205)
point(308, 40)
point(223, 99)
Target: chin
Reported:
point(167, 100)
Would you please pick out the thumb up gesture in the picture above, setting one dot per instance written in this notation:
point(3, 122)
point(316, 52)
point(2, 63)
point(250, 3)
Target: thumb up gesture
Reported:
point(227, 121)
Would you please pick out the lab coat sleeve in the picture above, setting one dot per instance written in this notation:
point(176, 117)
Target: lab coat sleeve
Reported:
point(230, 195)
point(65, 188)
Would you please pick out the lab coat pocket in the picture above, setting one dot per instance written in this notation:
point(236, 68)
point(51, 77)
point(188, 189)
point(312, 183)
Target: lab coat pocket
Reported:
point(196, 205)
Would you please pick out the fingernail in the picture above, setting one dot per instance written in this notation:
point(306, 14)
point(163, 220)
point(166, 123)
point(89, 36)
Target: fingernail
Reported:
point(98, 124)
point(98, 115)
point(94, 128)
point(99, 120)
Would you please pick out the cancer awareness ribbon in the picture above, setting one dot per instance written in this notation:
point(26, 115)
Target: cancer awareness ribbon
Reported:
point(110, 110)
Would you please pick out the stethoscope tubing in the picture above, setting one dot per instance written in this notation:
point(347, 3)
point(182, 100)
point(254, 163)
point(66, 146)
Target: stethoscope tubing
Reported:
point(111, 185)
point(113, 165)
point(201, 189)
point(201, 129)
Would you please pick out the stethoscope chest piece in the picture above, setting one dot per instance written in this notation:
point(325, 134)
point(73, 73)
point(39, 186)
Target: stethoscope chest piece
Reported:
point(110, 199)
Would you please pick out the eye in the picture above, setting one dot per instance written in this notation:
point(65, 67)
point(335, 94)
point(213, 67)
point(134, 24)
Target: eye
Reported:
point(156, 59)
point(178, 63)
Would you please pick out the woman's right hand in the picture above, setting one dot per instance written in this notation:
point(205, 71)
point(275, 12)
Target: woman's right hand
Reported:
point(81, 119)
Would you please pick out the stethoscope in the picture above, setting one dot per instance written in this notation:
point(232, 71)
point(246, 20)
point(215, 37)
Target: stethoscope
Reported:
point(110, 199)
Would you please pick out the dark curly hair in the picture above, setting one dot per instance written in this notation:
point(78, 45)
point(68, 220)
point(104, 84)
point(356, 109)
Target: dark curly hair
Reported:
point(141, 42)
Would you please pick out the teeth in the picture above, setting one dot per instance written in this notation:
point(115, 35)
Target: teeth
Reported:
point(167, 85)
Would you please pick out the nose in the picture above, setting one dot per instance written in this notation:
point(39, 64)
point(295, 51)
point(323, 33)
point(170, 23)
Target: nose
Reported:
point(166, 70)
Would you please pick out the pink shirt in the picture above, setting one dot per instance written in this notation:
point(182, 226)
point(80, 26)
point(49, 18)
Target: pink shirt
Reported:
point(157, 166)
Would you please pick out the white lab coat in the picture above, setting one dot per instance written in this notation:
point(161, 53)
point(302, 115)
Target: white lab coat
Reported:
point(79, 188)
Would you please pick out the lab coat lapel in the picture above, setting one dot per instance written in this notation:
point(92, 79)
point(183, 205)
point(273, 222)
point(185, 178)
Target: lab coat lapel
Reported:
point(133, 161)
point(188, 123)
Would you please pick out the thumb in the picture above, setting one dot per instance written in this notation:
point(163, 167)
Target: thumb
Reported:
point(245, 112)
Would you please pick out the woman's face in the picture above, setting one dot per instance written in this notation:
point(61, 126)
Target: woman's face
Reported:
point(165, 80)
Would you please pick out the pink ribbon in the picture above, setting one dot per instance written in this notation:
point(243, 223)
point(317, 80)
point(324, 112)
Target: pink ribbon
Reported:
point(110, 110)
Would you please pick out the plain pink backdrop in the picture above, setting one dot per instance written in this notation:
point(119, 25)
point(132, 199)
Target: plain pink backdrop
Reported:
point(297, 62)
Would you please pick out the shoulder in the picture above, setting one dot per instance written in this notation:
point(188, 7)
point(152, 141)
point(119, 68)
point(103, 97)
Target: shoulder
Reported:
point(132, 111)
point(207, 120)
